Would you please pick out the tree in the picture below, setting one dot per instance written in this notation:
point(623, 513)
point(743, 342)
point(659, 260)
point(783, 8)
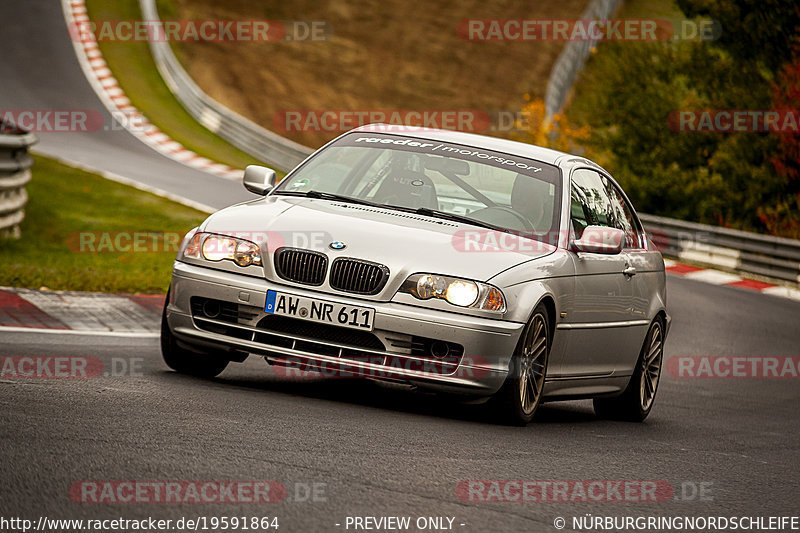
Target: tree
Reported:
point(761, 31)
point(632, 91)
point(783, 216)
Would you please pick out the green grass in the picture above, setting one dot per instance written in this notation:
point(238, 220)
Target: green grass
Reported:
point(64, 202)
point(136, 72)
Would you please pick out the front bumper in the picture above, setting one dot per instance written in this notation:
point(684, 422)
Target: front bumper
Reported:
point(488, 344)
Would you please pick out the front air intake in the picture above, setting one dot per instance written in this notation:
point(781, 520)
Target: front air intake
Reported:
point(301, 266)
point(358, 276)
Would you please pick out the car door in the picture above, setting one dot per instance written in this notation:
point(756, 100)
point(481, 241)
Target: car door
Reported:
point(644, 267)
point(603, 295)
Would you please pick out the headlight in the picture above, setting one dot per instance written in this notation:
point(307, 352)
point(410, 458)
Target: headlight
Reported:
point(190, 247)
point(215, 248)
point(218, 248)
point(463, 293)
point(460, 292)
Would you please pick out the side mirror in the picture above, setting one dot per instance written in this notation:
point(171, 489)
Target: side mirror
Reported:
point(259, 180)
point(599, 240)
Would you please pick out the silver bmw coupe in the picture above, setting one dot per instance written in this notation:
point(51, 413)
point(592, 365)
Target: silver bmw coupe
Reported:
point(459, 263)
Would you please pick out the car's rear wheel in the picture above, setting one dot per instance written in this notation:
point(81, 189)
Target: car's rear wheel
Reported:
point(636, 402)
point(185, 361)
point(521, 394)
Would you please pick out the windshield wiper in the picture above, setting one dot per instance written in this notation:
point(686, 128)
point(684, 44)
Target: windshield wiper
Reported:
point(328, 196)
point(419, 211)
point(456, 218)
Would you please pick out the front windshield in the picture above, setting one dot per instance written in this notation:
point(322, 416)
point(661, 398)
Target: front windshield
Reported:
point(509, 193)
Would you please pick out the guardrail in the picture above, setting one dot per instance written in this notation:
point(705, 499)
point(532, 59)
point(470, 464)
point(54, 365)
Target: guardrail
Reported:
point(15, 164)
point(572, 58)
point(248, 136)
point(726, 249)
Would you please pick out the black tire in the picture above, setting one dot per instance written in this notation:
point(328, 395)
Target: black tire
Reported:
point(509, 402)
point(637, 401)
point(184, 361)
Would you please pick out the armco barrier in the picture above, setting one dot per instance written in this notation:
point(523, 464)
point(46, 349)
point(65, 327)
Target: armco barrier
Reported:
point(572, 58)
point(727, 249)
point(234, 128)
point(15, 164)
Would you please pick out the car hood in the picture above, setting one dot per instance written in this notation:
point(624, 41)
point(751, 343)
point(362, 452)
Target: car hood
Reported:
point(404, 242)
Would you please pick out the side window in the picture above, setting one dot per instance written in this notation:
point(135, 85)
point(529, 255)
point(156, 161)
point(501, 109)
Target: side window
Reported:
point(623, 217)
point(591, 205)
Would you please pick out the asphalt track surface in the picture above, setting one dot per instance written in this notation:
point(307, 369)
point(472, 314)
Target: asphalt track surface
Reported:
point(388, 451)
point(376, 450)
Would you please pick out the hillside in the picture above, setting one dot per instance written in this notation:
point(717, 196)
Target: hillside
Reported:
point(387, 55)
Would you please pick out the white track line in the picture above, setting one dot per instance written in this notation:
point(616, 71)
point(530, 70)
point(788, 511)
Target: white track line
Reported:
point(131, 183)
point(783, 292)
point(714, 277)
point(95, 333)
point(113, 98)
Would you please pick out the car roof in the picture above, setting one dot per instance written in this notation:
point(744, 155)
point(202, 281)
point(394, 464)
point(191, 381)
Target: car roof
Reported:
point(545, 155)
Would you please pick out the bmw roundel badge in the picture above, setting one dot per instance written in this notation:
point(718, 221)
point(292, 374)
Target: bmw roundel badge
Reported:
point(338, 245)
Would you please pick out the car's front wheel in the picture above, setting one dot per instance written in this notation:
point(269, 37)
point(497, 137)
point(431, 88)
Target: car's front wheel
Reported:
point(185, 361)
point(636, 402)
point(521, 394)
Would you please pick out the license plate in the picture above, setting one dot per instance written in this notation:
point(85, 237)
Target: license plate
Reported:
point(314, 310)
